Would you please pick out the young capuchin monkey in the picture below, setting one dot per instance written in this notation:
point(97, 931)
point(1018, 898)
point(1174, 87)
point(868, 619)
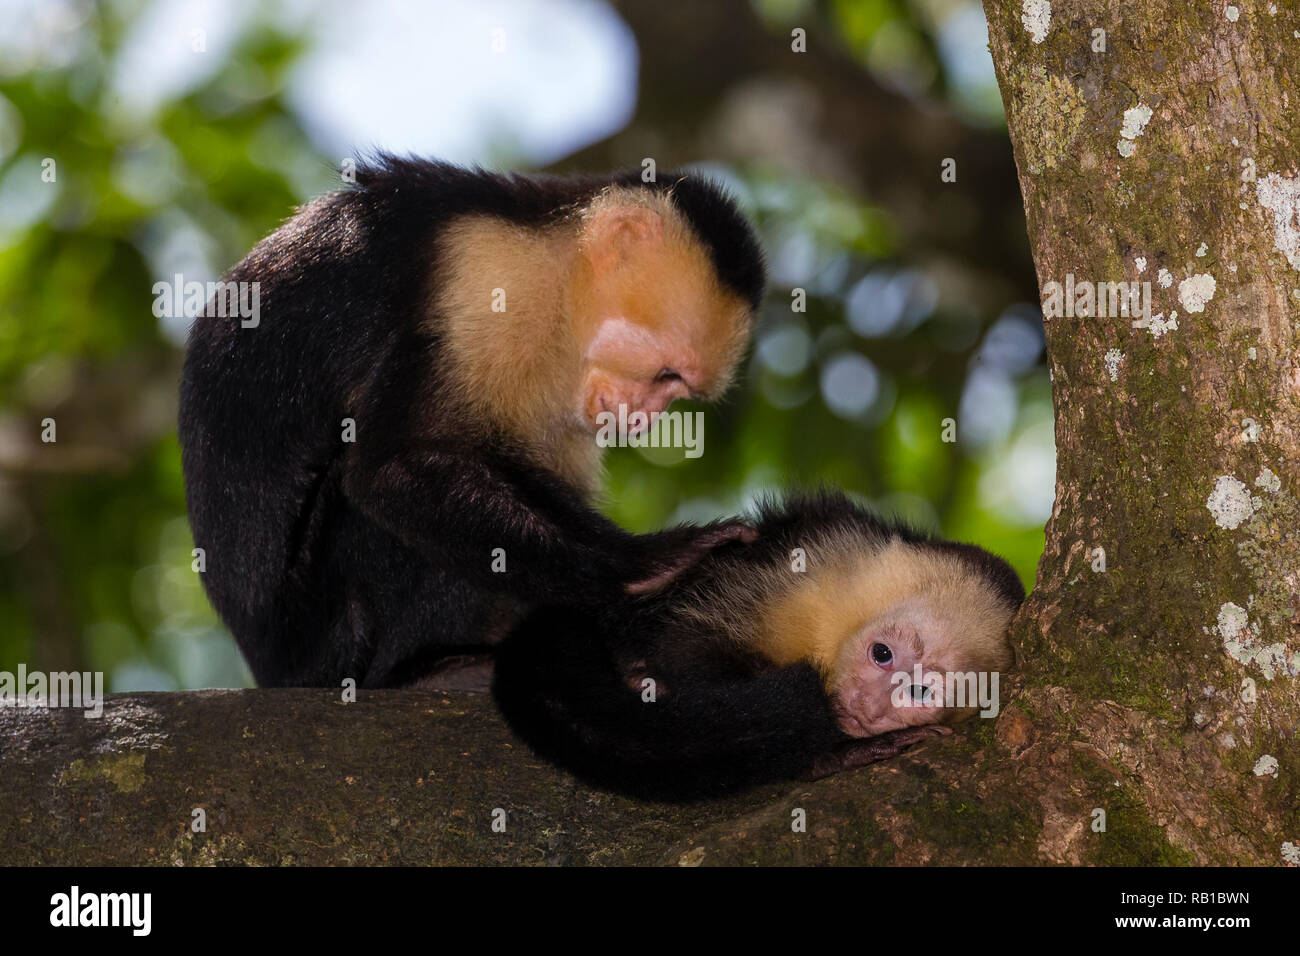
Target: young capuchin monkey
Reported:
point(397, 458)
point(792, 655)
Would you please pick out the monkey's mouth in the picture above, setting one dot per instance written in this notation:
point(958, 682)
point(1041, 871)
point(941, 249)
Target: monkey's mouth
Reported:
point(849, 722)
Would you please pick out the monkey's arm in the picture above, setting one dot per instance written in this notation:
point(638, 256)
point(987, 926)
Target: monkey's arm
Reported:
point(457, 505)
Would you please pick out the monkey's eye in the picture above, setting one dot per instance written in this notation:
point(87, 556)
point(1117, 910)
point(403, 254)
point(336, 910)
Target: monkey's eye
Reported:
point(881, 654)
point(922, 694)
point(668, 375)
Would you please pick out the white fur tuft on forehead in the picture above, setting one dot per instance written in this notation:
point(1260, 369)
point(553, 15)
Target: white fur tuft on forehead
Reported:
point(660, 202)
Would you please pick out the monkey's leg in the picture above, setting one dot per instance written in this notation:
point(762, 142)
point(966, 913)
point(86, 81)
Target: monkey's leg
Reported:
point(859, 753)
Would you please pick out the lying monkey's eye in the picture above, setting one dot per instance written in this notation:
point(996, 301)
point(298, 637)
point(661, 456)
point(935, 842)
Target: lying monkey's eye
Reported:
point(921, 693)
point(668, 375)
point(881, 654)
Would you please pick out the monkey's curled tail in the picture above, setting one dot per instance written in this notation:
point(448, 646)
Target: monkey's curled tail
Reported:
point(561, 690)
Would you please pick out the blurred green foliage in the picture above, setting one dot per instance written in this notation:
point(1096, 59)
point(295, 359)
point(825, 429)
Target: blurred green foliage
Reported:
point(94, 547)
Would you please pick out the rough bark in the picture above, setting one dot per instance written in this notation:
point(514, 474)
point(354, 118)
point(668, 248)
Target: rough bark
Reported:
point(407, 777)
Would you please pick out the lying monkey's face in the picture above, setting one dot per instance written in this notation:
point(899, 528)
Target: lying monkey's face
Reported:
point(873, 685)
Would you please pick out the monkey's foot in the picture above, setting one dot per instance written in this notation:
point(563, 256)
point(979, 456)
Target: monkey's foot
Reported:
point(467, 672)
point(859, 753)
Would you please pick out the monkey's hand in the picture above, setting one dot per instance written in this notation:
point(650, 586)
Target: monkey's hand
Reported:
point(867, 750)
point(687, 555)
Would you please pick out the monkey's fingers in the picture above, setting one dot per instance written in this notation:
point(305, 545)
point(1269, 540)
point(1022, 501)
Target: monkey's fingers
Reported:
point(868, 750)
point(662, 578)
point(700, 545)
point(731, 531)
point(656, 581)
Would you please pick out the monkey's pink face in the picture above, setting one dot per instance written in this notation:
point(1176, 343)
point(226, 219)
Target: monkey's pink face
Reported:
point(874, 688)
point(628, 365)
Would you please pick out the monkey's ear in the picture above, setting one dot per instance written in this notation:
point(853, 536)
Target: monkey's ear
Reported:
point(612, 232)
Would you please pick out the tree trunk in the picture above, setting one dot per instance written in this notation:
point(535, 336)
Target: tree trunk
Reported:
point(1160, 646)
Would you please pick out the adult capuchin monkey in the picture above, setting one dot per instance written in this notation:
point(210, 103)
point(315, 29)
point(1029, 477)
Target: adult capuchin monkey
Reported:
point(397, 458)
